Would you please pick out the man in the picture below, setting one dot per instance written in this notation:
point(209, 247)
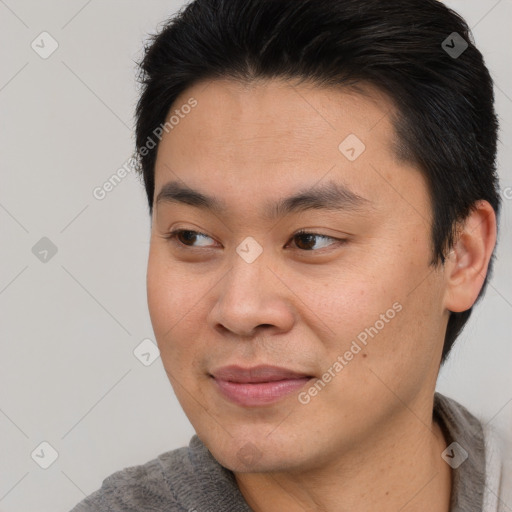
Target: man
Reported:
point(321, 180)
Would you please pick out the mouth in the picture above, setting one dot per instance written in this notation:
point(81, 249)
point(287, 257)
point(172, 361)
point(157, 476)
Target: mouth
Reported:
point(259, 385)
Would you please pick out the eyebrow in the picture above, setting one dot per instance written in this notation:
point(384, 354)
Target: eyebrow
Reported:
point(331, 196)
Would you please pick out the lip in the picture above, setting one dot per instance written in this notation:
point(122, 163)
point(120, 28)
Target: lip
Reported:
point(258, 385)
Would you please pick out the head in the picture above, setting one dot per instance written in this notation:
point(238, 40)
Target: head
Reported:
point(354, 102)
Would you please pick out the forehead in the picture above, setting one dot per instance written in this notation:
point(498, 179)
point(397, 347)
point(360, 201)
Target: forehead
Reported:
point(258, 138)
point(229, 111)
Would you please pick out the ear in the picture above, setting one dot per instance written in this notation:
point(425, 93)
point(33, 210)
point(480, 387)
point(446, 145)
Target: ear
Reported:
point(466, 265)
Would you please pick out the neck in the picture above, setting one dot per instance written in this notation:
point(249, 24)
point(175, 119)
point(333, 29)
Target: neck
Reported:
point(400, 468)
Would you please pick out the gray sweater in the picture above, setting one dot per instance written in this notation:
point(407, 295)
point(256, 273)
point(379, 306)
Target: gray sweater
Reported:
point(189, 479)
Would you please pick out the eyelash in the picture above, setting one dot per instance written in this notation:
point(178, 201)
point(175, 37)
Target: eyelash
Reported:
point(172, 236)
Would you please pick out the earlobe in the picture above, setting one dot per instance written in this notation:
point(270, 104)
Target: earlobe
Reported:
point(467, 263)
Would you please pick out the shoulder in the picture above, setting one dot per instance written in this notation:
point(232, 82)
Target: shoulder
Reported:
point(141, 487)
point(181, 480)
point(498, 448)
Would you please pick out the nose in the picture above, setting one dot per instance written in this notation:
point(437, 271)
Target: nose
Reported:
point(252, 297)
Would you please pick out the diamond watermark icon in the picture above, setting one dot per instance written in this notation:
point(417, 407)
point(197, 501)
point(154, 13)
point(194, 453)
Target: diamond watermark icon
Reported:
point(454, 45)
point(44, 250)
point(352, 147)
point(44, 45)
point(44, 455)
point(454, 455)
point(249, 249)
point(146, 352)
point(249, 454)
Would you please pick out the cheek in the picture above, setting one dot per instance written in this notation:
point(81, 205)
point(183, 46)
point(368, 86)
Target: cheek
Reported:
point(178, 301)
point(160, 294)
point(403, 337)
point(171, 300)
point(174, 307)
point(350, 301)
point(171, 287)
point(385, 305)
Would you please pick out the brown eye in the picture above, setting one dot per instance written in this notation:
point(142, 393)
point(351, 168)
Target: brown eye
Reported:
point(306, 241)
point(187, 237)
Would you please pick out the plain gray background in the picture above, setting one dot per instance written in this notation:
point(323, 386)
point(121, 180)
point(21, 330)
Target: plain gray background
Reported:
point(69, 324)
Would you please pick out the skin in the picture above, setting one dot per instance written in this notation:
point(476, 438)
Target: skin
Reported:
point(367, 440)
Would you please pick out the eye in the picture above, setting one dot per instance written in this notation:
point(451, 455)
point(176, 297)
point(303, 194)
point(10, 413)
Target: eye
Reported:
point(186, 237)
point(307, 240)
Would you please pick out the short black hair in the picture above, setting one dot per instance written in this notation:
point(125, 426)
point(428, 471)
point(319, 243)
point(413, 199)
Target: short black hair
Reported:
point(412, 50)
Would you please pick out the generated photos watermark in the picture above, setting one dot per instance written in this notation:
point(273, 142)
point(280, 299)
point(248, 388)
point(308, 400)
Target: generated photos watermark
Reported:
point(342, 361)
point(101, 191)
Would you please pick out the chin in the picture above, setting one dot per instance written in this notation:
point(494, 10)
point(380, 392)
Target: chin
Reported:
point(253, 454)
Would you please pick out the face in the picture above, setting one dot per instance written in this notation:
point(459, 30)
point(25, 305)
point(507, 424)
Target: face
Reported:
point(334, 285)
